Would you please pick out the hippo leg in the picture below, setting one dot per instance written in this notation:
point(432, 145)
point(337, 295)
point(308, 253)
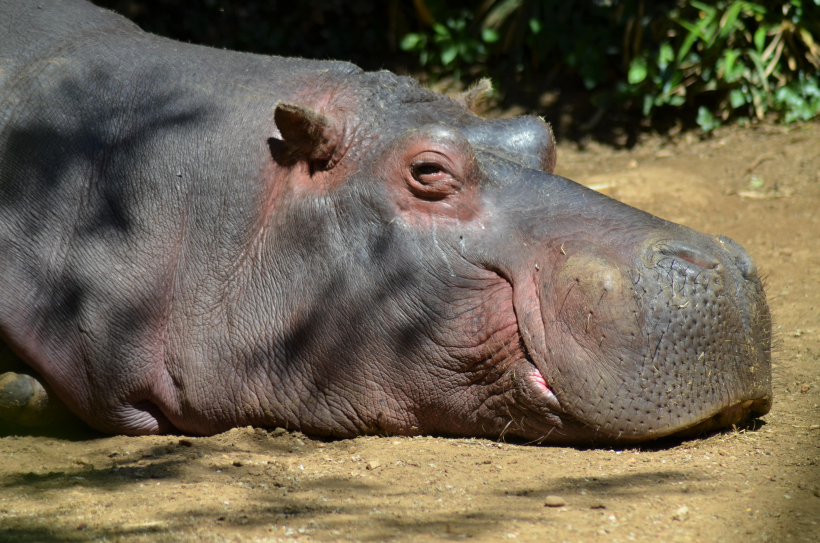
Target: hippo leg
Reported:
point(26, 400)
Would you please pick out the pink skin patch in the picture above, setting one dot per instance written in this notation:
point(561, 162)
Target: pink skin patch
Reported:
point(541, 382)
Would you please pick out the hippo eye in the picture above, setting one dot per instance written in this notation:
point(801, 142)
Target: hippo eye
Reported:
point(427, 172)
point(432, 180)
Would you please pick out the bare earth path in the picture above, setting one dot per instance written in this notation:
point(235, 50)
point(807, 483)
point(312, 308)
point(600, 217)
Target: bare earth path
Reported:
point(759, 483)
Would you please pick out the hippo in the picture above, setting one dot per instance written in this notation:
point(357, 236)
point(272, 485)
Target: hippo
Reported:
point(194, 239)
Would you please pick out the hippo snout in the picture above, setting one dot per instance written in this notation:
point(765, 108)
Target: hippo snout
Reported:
point(676, 341)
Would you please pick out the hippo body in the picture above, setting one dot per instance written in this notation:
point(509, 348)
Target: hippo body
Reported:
point(194, 239)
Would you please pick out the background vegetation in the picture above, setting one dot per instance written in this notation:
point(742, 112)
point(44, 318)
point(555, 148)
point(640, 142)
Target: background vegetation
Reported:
point(662, 63)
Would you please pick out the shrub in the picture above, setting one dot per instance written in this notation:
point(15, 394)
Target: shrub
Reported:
point(739, 58)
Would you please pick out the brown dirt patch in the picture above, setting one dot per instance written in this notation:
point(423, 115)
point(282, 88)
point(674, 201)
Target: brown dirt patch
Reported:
point(760, 483)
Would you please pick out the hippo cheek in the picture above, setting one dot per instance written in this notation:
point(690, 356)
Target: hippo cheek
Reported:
point(600, 303)
point(594, 327)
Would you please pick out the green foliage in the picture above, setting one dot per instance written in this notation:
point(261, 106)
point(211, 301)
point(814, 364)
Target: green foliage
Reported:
point(723, 57)
point(706, 121)
point(751, 57)
point(450, 45)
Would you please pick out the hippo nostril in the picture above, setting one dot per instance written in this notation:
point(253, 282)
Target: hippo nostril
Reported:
point(689, 253)
point(745, 264)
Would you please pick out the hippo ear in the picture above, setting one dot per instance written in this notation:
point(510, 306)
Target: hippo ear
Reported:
point(475, 97)
point(308, 134)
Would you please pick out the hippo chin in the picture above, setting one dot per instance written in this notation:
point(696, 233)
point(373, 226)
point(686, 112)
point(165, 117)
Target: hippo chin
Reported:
point(194, 239)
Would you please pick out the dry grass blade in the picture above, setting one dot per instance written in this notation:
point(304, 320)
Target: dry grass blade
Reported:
point(773, 64)
point(813, 54)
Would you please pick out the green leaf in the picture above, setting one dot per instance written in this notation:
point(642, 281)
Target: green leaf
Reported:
point(692, 28)
point(677, 100)
point(760, 38)
point(706, 8)
point(729, 19)
point(411, 41)
point(701, 28)
point(757, 8)
point(449, 54)
point(761, 70)
point(535, 24)
point(665, 55)
point(637, 70)
point(687, 44)
point(489, 35)
point(731, 70)
point(648, 102)
point(737, 98)
point(457, 24)
point(441, 30)
point(706, 121)
point(710, 31)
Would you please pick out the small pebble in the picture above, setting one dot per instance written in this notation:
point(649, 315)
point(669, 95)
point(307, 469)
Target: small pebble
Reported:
point(555, 501)
point(597, 505)
point(681, 514)
point(802, 485)
point(373, 464)
point(186, 443)
point(279, 431)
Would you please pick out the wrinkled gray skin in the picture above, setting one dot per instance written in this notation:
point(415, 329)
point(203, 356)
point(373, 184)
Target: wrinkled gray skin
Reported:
point(197, 239)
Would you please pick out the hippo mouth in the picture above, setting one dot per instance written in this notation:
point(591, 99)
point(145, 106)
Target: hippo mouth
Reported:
point(539, 388)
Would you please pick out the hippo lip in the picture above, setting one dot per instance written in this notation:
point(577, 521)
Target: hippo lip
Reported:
point(539, 389)
point(538, 381)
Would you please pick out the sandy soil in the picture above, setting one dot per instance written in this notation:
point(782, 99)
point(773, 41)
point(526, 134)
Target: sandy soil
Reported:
point(757, 483)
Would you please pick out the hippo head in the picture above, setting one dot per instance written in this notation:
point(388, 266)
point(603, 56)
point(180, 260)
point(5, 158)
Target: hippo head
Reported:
point(452, 284)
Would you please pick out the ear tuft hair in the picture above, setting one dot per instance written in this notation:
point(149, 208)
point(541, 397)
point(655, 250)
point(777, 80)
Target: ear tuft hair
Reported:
point(476, 95)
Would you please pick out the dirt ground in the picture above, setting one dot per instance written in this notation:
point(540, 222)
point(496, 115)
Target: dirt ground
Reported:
point(758, 185)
